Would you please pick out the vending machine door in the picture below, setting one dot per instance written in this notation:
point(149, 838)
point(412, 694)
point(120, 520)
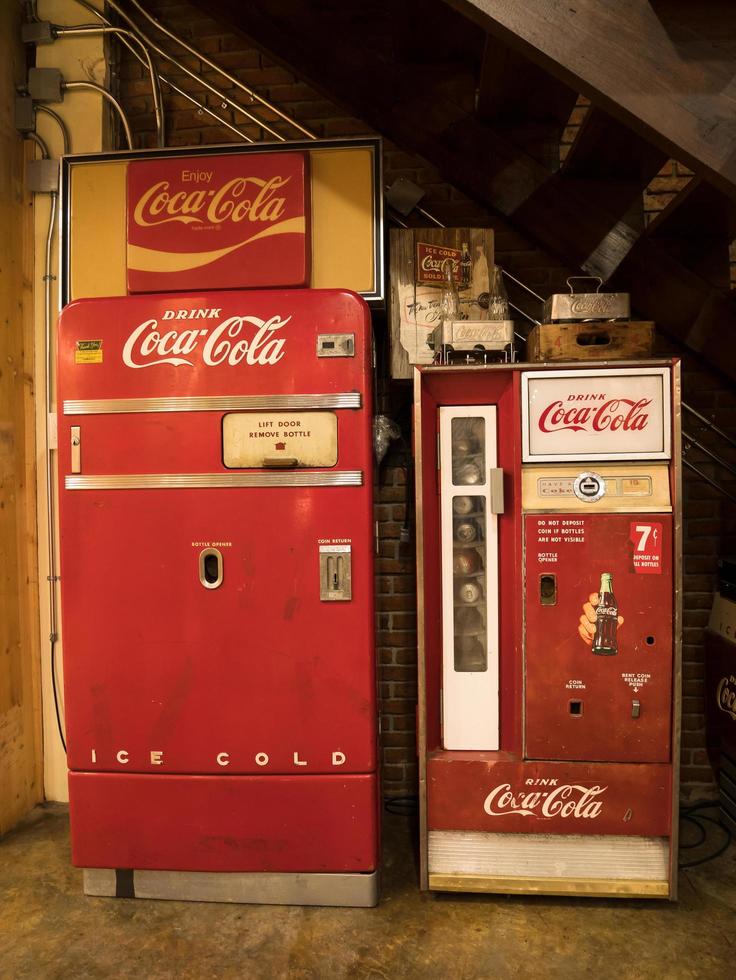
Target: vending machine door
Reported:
point(471, 490)
point(598, 636)
point(215, 460)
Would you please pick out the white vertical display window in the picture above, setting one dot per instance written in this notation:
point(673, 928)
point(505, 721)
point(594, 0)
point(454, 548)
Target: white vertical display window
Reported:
point(469, 530)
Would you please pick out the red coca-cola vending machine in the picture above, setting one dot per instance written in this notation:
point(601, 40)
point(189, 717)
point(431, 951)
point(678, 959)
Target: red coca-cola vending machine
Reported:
point(549, 622)
point(215, 461)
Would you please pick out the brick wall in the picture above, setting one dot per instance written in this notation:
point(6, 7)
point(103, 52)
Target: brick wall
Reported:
point(709, 527)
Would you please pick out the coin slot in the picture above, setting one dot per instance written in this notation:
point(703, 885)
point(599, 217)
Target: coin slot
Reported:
point(210, 568)
point(548, 590)
point(576, 708)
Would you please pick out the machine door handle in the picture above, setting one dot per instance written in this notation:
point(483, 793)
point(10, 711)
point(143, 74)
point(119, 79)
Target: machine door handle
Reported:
point(495, 490)
point(279, 462)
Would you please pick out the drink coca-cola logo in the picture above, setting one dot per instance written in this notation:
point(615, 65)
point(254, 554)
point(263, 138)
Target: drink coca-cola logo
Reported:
point(568, 800)
point(726, 696)
point(604, 415)
point(233, 340)
point(243, 198)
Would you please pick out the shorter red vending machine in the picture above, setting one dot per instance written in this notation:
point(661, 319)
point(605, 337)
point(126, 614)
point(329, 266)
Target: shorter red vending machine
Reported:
point(215, 456)
point(549, 622)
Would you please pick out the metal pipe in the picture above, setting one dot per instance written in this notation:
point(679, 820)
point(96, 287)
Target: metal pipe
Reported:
point(523, 286)
point(85, 29)
point(215, 67)
point(40, 144)
point(707, 479)
point(711, 425)
point(226, 100)
point(166, 81)
point(93, 87)
point(704, 449)
point(67, 143)
point(430, 217)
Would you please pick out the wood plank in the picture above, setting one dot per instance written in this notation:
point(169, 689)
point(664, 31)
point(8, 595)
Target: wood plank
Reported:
point(594, 341)
point(530, 106)
point(666, 70)
point(556, 212)
point(21, 784)
point(697, 229)
point(606, 149)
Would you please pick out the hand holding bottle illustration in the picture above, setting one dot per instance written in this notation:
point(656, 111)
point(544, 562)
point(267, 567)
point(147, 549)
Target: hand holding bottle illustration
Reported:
point(600, 621)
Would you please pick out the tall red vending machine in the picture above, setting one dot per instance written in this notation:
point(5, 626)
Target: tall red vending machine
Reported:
point(548, 539)
point(215, 461)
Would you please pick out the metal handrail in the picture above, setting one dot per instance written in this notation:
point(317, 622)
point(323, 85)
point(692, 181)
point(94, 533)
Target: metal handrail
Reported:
point(146, 42)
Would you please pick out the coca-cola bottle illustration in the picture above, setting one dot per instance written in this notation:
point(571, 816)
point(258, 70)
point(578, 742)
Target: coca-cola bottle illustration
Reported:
point(606, 619)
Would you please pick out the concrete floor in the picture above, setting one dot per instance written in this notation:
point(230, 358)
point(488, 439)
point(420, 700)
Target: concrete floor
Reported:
point(48, 929)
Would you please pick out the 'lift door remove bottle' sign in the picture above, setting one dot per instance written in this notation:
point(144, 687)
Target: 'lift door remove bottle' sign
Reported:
point(218, 222)
point(593, 415)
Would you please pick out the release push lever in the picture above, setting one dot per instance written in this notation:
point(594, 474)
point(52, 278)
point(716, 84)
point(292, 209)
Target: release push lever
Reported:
point(495, 487)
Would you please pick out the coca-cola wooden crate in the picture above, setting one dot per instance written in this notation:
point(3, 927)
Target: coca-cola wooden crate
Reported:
point(594, 341)
point(418, 257)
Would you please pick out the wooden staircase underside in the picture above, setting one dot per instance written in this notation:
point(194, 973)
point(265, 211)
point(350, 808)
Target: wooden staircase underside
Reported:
point(483, 91)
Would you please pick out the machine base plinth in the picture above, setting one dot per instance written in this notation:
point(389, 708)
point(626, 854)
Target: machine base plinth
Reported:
point(257, 888)
point(589, 887)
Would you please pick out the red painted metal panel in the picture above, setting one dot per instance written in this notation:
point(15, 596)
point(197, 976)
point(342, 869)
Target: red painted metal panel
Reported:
point(471, 388)
point(261, 676)
point(242, 823)
point(583, 705)
point(494, 792)
point(223, 221)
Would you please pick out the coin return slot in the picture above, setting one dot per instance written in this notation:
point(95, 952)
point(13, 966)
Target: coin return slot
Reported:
point(576, 708)
point(548, 590)
point(335, 575)
point(210, 568)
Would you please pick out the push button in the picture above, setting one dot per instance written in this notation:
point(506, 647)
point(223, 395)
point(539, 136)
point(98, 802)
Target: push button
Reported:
point(589, 487)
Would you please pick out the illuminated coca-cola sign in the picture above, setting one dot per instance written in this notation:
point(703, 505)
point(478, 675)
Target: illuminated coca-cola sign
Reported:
point(218, 222)
point(596, 415)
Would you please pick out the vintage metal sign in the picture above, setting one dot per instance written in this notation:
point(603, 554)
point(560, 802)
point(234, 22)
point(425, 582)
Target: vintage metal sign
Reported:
point(596, 415)
point(218, 222)
point(430, 267)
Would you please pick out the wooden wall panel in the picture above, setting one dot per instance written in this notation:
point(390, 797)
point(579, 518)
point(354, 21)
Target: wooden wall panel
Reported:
point(20, 738)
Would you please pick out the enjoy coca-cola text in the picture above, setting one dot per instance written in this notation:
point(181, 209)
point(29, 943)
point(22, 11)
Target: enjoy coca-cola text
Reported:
point(239, 199)
point(234, 340)
point(568, 800)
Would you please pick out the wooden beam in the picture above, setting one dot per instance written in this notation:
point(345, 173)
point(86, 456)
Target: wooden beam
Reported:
point(530, 106)
point(666, 70)
point(21, 784)
point(568, 216)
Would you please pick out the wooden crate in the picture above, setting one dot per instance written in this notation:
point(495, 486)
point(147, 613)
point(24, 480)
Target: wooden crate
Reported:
point(599, 341)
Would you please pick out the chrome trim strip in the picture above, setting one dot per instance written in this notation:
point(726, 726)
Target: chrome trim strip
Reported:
point(232, 403)
point(341, 889)
point(159, 481)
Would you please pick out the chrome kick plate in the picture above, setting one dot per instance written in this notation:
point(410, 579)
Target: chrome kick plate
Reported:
point(76, 440)
point(335, 572)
